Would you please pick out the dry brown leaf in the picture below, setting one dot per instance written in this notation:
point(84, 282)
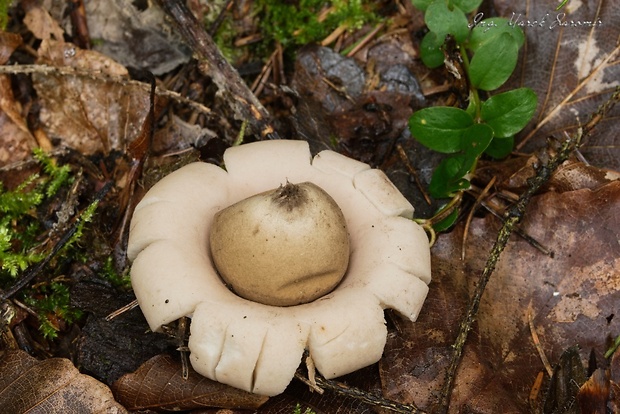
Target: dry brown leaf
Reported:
point(159, 384)
point(42, 25)
point(50, 386)
point(593, 395)
point(88, 114)
point(367, 112)
point(17, 141)
point(8, 43)
point(573, 69)
point(61, 54)
point(137, 35)
point(573, 299)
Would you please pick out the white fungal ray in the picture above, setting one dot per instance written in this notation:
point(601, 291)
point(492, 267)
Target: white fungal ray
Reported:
point(253, 348)
point(347, 332)
point(186, 200)
point(258, 347)
point(384, 195)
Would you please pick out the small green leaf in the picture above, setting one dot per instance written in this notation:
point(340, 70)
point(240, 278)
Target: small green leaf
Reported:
point(440, 128)
point(509, 112)
point(476, 138)
point(430, 50)
point(494, 62)
point(421, 4)
point(449, 176)
point(467, 6)
point(500, 147)
point(446, 179)
point(441, 20)
point(489, 29)
point(447, 222)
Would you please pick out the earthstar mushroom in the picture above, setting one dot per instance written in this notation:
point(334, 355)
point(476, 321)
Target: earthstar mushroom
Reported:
point(255, 346)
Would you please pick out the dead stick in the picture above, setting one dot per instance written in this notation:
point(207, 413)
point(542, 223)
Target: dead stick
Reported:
point(513, 217)
point(368, 398)
point(213, 64)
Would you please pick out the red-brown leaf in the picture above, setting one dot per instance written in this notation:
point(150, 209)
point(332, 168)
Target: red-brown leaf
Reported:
point(572, 298)
point(50, 386)
point(159, 384)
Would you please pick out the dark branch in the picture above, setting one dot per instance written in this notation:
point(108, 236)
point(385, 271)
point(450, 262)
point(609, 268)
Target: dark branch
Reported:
point(213, 64)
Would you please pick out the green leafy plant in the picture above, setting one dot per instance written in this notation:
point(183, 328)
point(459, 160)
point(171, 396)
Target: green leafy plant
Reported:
point(488, 53)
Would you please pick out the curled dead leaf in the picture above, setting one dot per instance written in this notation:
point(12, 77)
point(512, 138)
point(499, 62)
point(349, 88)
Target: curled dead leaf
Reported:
point(50, 386)
point(60, 54)
point(17, 142)
point(159, 384)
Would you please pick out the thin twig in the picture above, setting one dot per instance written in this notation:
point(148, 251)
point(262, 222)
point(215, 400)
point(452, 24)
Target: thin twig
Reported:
point(513, 216)
point(532, 241)
point(131, 305)
point(372, 399)
point(309, 383)
point(539, 348)
point(405, 159)
point(260, 81)
point(365, 40)
point(535, 390)
point(98, 76)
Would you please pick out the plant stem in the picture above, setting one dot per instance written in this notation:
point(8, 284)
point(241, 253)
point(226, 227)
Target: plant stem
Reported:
point(473, 92)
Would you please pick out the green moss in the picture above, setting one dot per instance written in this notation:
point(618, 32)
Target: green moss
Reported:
point(58, 176)
point(297, 24)
point(4, 13)
point(118, 280)
point(19, 225)
point(51, 301)
point(22, 236)
point(298, 410)
point(291, 23)
point(225, 38)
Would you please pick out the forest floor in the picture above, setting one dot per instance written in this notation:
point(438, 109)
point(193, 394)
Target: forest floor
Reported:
point(529, 326)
